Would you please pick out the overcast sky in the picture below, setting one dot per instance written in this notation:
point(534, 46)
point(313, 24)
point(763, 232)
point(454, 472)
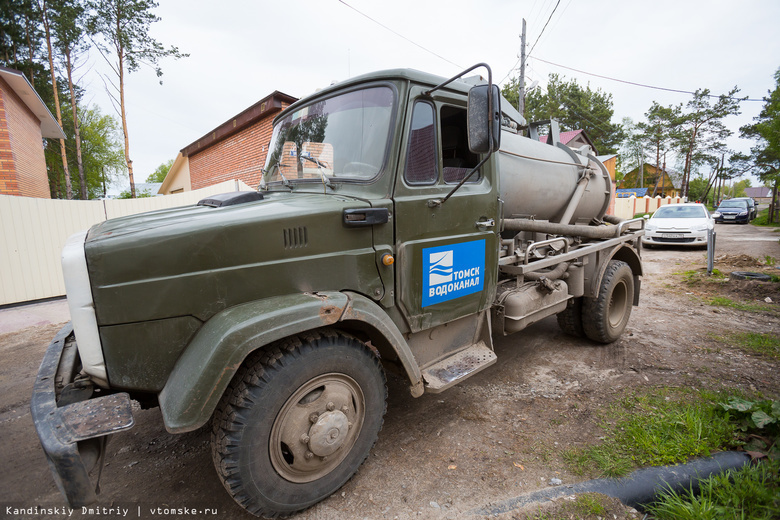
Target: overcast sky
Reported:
point(241, 51)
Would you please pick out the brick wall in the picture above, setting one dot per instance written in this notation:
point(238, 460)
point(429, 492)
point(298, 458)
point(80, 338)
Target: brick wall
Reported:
point(22, 162)
point(239, 156)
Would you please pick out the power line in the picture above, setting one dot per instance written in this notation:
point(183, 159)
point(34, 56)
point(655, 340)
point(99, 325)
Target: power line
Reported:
point(543, 28)
point(637, 84)
point(401, 35)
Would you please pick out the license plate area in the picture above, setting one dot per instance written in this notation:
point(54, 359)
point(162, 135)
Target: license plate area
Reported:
point(672, 235)
point(729, 217)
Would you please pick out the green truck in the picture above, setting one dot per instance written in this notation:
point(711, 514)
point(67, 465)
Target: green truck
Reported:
point(403, 222)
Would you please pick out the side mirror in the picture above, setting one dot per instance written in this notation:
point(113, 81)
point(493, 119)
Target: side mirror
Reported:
point(481, 121)
point(645, 217)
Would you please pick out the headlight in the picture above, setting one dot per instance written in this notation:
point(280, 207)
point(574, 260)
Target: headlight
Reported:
point(700, 227)
point(650, 227)
point(716, 214)
point(742, 213)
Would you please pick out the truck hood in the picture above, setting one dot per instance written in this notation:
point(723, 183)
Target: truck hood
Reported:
point(198, 260)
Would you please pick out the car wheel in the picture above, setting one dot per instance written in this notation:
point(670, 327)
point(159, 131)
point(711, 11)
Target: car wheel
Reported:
point(605, 317)
point(297, 421)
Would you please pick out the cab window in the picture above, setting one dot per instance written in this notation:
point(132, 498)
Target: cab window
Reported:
point(421, 156)
point(457, 159)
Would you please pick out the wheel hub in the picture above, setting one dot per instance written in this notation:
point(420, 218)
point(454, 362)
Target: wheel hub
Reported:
point(328, 434)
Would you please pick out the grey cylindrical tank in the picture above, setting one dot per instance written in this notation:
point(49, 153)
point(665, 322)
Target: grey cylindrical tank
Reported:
point(539, 180)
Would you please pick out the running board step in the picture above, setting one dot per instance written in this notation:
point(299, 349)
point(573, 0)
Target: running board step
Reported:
point(458, 367)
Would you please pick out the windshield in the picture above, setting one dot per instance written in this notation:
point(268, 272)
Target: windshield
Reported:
point(679, 211)
point(733, 204)
point(340, 138)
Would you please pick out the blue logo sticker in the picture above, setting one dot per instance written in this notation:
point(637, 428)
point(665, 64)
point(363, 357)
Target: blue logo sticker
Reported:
point(452, 271)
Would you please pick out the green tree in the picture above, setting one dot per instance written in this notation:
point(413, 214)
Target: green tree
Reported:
point(702, 133)
point(122, 30)
point(159, 174)
point(68, 25)
point(764, 158)
point(102, 153)
point(575, 107)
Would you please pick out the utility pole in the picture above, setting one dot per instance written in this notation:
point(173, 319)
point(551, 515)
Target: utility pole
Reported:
point(521, 87)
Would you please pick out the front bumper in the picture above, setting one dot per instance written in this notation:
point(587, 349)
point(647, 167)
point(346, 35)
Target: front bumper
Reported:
point(726, 218)
point(72, 425)
point(677, 238)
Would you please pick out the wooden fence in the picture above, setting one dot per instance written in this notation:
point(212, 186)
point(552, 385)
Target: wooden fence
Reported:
point(33, 232)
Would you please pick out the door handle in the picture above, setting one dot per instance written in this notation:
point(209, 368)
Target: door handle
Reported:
point(365, 216)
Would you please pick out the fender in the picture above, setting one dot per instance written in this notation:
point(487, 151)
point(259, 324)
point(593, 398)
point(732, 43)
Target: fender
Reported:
point(212, 358)
point(626, 254)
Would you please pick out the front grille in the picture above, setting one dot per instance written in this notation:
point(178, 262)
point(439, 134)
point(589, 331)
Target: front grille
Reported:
point(674, 240)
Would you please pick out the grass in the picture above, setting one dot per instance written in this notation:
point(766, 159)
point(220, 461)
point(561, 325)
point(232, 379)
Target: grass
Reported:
point(665, 427)
point(753, 342)
point(763, 219)
point(723, 301)
point(752, 493)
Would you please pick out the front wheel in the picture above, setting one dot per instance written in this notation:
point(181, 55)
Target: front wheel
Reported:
point(605, 317)
point(297, 421)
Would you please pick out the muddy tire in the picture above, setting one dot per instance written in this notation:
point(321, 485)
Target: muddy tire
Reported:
point(604, 318)
point(297, 421)
point(570, 319)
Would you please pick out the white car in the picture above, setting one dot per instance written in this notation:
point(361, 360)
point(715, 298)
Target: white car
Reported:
point(680, 225)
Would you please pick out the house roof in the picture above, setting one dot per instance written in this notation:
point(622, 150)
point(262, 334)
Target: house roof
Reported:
point(267, 106)
point(22, 87)
point(758, 193)
point(566, 137)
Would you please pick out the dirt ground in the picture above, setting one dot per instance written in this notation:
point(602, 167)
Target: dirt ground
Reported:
point(497, 436)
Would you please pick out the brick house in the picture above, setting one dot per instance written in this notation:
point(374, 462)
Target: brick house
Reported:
point(236, 149)
point(24, 122)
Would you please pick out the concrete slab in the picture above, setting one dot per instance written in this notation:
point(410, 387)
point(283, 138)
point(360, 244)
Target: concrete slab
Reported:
point(22, 317)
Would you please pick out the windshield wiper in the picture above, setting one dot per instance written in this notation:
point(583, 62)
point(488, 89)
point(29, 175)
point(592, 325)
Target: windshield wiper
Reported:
point(285, 182)
point(319, 164)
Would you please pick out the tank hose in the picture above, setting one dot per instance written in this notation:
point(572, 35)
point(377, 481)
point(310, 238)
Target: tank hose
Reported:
point(561, 229)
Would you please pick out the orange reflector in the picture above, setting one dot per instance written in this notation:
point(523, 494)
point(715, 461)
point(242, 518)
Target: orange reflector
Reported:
point(388, 259)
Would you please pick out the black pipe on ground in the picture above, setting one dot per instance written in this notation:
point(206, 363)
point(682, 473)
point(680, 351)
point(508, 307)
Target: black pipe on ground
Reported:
point(639, 488)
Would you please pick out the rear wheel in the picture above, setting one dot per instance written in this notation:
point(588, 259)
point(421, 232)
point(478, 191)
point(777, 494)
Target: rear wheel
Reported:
point(297, 422)
point(570, 319)
point(605, 317)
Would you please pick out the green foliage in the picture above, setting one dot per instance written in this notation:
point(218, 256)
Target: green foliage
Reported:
point(124, 27)
point(761, 415)
point(575, 107)
point(159, 174)
point(751, 493)
point(763, 219)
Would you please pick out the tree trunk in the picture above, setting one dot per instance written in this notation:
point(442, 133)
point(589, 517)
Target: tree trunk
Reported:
point(68, 187)
point(77, 131)
point(120, 55)
point(29, 48)
point(773, 204)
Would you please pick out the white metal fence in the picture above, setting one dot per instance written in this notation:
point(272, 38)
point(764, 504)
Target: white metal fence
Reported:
point(33, 231)
point(628, 207)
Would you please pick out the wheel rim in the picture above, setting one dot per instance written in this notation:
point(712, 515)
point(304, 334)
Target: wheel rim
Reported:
point(617, 304)
point(317, 427)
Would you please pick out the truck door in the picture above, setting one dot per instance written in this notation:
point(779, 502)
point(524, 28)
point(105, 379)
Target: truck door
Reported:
point(447, 254)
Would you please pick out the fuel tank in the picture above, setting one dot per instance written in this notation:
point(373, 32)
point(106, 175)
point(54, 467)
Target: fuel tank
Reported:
point(539, 180)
